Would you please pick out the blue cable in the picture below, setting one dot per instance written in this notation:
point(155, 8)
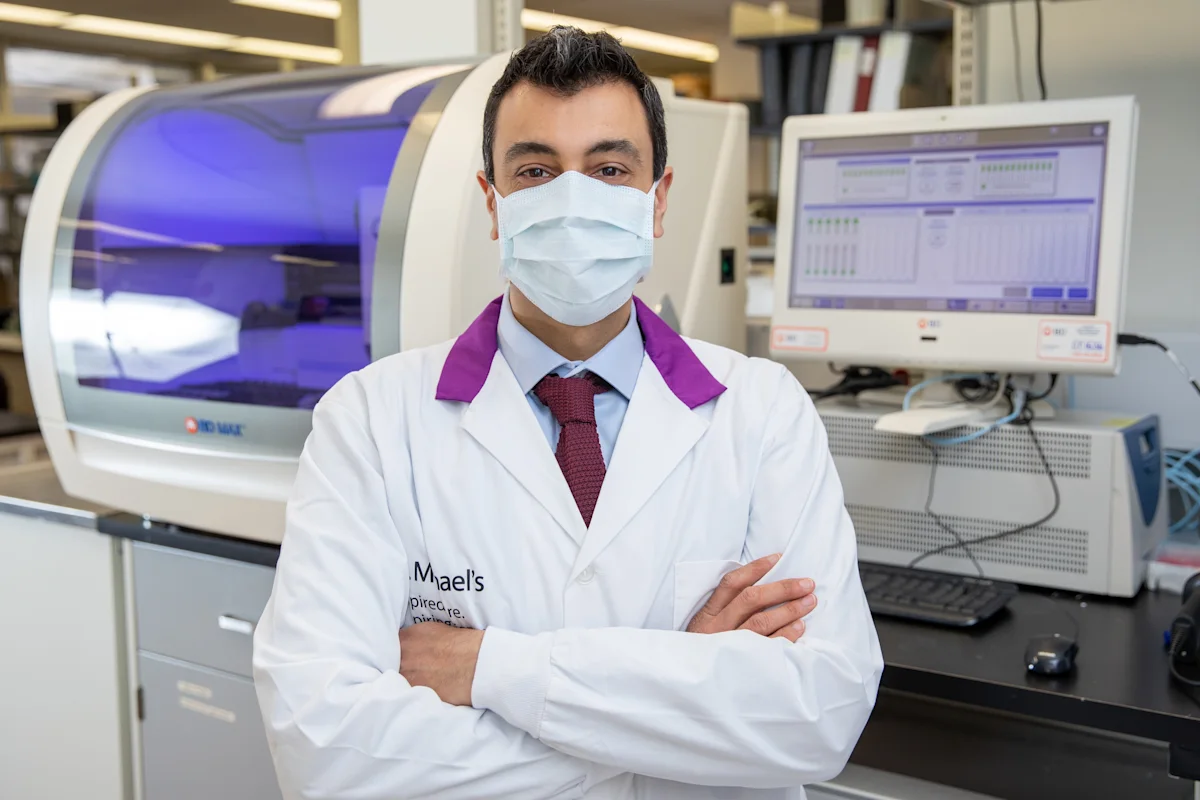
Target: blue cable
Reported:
point(1018, 401)
point(943, 379)
point(1183, 472)
point(1191, 496)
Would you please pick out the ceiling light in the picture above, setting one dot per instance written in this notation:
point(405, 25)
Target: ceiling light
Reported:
point(27, 15)
point(544, 21)
point(277, 49)
point(169, 34)
point(639, 39)
point(329, 9)
point(636, 38)
point(128, 29)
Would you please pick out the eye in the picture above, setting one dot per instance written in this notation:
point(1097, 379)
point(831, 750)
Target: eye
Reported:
point(610, 172)
point(535, 173)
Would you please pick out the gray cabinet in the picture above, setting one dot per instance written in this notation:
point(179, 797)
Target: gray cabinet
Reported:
point(198, 608)
point(202, 733)
point(202, 736)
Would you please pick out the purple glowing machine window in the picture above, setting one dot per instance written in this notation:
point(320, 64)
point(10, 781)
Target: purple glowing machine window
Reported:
point(226, 239)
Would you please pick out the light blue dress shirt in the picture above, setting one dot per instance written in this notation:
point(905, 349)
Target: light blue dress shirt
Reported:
point(618, 363)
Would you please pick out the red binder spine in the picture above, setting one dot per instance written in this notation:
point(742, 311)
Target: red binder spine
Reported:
point(866, 72)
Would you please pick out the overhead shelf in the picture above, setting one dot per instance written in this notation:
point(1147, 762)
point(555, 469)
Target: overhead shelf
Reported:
point(977, 3)
point(928, 26)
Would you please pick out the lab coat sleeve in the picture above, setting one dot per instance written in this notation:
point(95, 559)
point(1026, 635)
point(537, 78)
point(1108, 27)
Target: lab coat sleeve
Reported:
point(729, 709)
point(340, 719)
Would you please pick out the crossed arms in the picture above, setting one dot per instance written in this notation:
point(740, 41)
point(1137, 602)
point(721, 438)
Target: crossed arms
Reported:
point(553, 714)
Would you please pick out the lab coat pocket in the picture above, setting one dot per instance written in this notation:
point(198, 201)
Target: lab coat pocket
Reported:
point(695, 581)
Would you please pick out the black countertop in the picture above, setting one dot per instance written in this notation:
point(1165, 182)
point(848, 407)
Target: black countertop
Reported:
point(127, 526)
point(1120, 684)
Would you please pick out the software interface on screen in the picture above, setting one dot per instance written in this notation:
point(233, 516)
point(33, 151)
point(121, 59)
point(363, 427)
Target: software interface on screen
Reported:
point(999, 220)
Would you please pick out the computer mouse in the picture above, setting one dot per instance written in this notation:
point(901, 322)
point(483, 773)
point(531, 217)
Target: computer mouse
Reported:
point(1051, 655)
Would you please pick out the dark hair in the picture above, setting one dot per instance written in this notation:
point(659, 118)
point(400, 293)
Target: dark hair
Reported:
point(566, 61)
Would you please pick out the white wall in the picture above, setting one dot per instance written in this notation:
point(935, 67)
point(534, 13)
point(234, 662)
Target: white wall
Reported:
point(400, 31)
point(1151, 49)
point(413, 31)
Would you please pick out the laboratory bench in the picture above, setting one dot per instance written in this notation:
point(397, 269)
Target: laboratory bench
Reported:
point(956, 707)
point(1119, 705)
point(1117, 726)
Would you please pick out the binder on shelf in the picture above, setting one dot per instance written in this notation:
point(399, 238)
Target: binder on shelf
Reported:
point(843, 75)
point(799, 79)
point(867, 60)
point(773, 91)
point(822, 60)
point(890, 70)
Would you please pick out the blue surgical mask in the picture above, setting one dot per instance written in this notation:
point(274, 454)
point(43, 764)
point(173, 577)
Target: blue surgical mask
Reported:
point(576, 246)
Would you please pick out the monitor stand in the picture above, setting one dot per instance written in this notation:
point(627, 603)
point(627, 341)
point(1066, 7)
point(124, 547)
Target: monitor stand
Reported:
point(938, 409)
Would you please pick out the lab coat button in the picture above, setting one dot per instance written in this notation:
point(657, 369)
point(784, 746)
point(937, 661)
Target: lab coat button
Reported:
point(587, 575)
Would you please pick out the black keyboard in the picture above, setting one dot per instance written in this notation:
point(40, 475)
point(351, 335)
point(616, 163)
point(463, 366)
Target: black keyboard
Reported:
point(935, 597)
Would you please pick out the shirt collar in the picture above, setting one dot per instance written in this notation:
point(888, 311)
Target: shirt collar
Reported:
point(530, 359)
point(470, 359)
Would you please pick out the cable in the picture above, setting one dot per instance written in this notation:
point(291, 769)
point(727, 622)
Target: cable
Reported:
point(1183, 473)
point(1016, 36)
point(1041, 69)
point(975, 391)
point(1026, 420)
point(1137, 340)
point(858, 379)
point(933, 467)
point(925, 384)
point(1049, 389)
point(1049, 599)
point(1018, 408)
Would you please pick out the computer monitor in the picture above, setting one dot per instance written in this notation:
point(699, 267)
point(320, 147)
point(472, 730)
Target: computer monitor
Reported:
point(988, 238)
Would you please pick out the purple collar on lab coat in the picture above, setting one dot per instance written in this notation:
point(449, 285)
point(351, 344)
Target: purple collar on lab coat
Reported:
point(466, 368)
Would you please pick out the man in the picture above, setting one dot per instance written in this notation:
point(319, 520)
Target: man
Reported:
point(569, 554)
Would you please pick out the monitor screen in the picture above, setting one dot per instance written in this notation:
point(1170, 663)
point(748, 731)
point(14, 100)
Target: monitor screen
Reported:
point(1004, 220)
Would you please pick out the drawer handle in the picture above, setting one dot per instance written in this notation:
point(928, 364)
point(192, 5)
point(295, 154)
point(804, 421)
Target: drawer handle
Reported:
point(227, 623)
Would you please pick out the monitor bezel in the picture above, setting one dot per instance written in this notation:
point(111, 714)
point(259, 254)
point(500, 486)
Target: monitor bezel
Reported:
point(958, 340)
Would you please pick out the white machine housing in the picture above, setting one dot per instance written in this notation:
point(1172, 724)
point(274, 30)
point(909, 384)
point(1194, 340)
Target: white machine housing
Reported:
point(1109, 471)
point(108, 342)
point(941, 336)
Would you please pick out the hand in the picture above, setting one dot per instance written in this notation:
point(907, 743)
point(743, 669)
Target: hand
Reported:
point(773, 609)
point(441, 657)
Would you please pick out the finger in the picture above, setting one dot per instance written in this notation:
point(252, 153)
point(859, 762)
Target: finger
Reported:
point(771, 621)
point(791, 632)
point(732, 583)
point(753, 599)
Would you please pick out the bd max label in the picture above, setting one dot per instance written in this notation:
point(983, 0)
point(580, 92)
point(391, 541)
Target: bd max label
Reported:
point(208, 427)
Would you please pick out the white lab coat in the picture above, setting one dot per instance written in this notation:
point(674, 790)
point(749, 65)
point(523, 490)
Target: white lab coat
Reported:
point(408, 507)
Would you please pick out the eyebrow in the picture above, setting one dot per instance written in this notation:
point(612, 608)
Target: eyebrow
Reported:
point(529, 148)
point(622, 146)
point(518, 149)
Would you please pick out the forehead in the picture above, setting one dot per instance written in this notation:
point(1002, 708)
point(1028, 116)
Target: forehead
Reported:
point(609, 110)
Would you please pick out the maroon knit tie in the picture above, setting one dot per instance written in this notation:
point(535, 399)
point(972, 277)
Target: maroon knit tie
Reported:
point(572, 402)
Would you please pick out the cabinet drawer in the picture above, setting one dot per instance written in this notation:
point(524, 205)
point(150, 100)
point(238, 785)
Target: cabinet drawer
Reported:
point(202, 737)
point(198, 608)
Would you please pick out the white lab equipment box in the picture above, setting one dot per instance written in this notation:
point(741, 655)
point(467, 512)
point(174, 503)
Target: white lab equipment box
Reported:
point(1108, 470)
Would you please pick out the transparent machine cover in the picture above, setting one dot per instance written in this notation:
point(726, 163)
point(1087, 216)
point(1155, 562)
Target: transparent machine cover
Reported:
point(215, 262)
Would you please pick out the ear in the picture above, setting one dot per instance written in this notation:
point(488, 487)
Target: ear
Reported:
point(490, 194)
point(660, 200)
